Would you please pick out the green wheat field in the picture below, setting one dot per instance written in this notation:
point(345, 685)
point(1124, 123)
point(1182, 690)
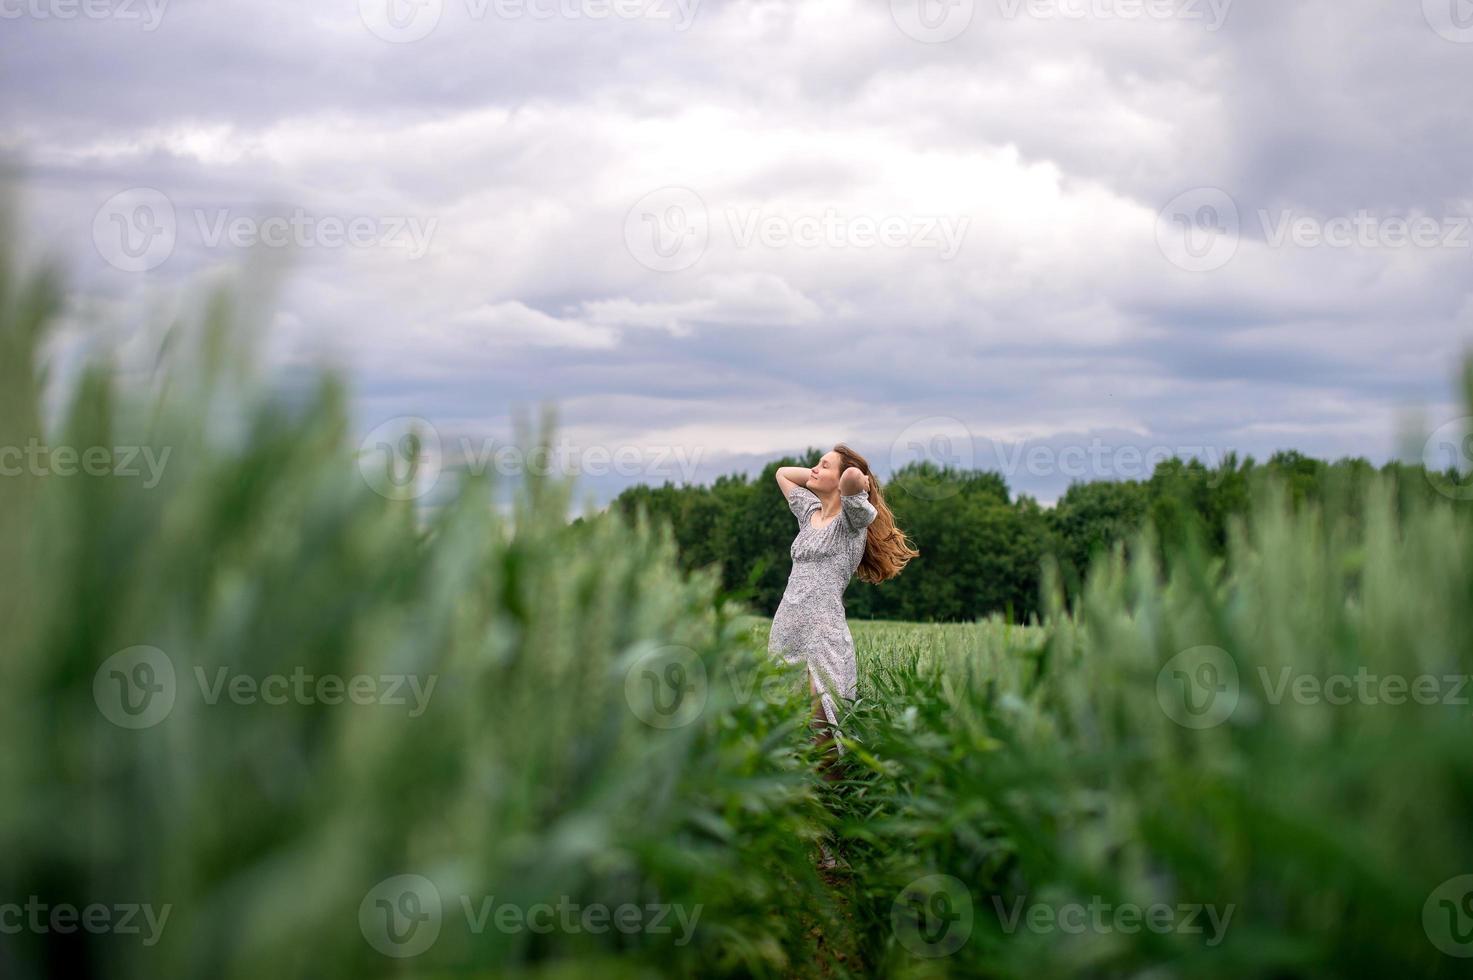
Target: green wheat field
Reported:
point(262, 721)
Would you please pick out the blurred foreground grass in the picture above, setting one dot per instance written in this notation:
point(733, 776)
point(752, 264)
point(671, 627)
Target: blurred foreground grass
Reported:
point(301, 731)
point(316, 736)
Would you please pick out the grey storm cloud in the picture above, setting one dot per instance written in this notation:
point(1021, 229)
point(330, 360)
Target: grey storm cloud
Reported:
point(746, 228)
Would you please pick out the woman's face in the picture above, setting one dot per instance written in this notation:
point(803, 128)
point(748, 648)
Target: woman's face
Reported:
point(825, 473)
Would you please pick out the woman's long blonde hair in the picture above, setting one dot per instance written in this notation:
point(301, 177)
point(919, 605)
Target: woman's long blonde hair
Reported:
point(886, 549)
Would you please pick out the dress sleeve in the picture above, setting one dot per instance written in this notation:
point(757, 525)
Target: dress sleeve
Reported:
point(859, 513)
point(801, 502)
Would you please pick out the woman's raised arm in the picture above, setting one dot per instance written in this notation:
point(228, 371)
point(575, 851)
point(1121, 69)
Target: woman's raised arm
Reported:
point(789, 477)
point(852, 481)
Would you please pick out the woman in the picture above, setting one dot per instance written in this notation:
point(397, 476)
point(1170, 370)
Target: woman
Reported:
point(844, 526)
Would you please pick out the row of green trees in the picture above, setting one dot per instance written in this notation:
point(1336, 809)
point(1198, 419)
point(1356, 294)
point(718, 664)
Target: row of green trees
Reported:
point(981, 547)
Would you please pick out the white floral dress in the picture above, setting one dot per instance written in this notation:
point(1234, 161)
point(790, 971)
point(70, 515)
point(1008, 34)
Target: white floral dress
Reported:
point(809, 624)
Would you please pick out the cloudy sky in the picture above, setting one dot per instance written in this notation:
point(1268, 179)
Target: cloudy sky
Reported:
point(1048, 237)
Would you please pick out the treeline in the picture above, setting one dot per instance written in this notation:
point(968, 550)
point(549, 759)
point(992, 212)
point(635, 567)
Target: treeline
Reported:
point(981, 548)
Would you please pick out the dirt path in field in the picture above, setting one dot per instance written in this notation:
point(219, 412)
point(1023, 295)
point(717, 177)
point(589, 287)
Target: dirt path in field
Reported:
point(835, 951)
